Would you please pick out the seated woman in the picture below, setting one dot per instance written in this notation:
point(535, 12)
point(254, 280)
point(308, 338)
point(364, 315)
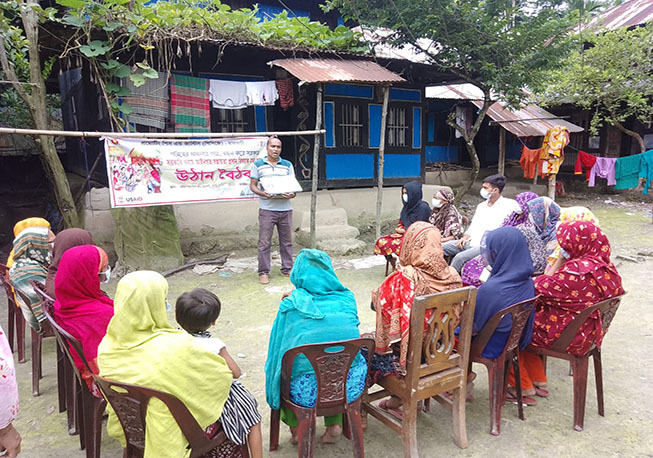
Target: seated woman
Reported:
point(81, 307)
point(568, 215)
point(506, 251)
point(422, 271)
point(544, 215)
point(30, 259)
point(319, 309)
point(445, 216)
point(415, 209)
point(64, 240)
point(586, 278)
point(142, 348)
point(471, 274)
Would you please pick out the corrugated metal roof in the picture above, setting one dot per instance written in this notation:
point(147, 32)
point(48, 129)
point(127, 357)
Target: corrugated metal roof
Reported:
point(628, 14)
point(337, 70)
point(529, 121)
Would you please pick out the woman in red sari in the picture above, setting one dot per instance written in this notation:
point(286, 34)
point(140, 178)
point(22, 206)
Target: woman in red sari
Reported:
point(586, 278)
point(81, 307)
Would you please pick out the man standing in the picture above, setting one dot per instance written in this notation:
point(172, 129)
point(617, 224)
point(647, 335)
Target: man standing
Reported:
point(273, 210)
point(489, 215)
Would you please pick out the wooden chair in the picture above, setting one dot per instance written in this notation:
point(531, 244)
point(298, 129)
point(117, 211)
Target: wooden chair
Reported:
point(65, 375)
point(432, 367)
point(607, 309)
point(15, 319)
point(85, 410)
point(331, 362)
point(130, 405)
point(498, 367)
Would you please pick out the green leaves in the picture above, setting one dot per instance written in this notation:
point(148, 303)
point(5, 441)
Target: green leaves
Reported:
point(95, 48)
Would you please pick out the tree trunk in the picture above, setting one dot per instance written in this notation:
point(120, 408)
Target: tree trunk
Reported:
point(37, 105)
point(316, 163)
point(632, 133)
point(501, 167)
point(379, 190)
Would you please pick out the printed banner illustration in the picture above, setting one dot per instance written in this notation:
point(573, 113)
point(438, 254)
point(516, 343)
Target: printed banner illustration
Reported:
point(158, 172)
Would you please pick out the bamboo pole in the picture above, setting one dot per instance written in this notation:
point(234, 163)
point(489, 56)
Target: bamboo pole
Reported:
point(316, 164)
point(552, 186)
point(156, 135)
point(502, 151)
point(379, 195)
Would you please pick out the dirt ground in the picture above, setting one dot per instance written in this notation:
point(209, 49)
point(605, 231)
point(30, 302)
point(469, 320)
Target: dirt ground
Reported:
point(249, 310)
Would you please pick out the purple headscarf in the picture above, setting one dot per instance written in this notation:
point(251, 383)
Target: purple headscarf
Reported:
point(515, 219)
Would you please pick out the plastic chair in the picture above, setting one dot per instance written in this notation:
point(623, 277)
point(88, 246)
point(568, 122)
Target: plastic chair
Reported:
point(130, 405)
point(331, 362)
point(85, 410)
point(432, 368)
point(498, 367)
point(558, 349)
point(15, 319)
point(65, 375)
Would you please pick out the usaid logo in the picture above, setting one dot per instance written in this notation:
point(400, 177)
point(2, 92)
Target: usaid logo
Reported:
point(134, 199)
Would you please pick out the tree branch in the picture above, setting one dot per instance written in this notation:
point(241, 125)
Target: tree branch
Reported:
point(8, 69)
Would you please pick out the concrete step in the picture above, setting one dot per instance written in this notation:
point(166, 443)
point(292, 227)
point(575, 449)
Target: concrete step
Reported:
point(333, 216)
point(343, 247)
point(341, 232)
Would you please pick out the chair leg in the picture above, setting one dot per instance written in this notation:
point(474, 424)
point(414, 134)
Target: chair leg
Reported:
point(495, 382)
point(11, 323)
point(353, 416)
point(36, 361)
point(275, 418)
point(459, 421)
point(346, 426)
point(598, 376)
point(580, 389)
point(98, 407)
point(409, 428)
point(81, 426)
point(61, 378)
point(305, 432)
point(20, 335)
point(72, 400)
point(517, 371)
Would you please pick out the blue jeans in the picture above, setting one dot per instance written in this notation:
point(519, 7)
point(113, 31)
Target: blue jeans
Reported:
point(461, 257)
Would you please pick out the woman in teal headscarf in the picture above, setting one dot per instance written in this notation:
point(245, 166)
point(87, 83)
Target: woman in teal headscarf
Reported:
point(319, 309)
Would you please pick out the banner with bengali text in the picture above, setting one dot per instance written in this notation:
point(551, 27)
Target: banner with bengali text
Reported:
point(158, 172)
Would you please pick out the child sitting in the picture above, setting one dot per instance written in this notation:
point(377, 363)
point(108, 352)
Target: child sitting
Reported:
point(196, 311)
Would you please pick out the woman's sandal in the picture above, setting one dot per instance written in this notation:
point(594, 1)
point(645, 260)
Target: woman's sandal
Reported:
point(511, 396)
point(541, 392)
point(396, 411)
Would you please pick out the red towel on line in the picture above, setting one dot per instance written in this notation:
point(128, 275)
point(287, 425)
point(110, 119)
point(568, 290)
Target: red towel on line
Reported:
point(584, 160)
point(285, 90)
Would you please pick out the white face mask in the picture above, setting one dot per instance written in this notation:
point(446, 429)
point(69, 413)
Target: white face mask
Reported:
point(485, 194)
point(405, 198)
point(168, 306)
point(437, 203)
point(107, 274)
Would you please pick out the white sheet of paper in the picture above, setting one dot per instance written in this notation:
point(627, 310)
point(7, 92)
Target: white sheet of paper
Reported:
point(280, 184)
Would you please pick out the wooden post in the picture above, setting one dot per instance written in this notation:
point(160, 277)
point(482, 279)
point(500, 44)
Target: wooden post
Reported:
point(552, 186)
point(537, 166)
point(502, 151)
point(316, 163)
point(379, 195)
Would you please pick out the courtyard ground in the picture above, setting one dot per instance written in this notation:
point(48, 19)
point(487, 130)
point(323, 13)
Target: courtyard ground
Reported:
point(249, 310)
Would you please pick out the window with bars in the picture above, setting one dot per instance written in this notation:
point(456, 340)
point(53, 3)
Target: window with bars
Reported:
point(351, 126)
point(224, 120)
point(397, 127)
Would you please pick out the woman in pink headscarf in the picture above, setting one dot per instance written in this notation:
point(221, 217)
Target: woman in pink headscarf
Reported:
point(81, 307)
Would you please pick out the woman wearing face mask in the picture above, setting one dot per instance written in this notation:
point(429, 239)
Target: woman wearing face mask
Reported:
point(414, 209)
point(64, 240)
point(81, 307)
point(445, 216)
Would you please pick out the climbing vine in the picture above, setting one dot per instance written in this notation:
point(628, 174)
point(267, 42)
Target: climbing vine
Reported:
point(130, 38)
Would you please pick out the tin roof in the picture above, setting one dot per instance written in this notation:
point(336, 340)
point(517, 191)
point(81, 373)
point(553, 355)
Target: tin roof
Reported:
point(628, 14)
point(337, 70)
point(529, 121)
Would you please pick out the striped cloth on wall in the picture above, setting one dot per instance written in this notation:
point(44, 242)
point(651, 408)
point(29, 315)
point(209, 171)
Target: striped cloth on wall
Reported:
point(150, 102)
point(189, 102)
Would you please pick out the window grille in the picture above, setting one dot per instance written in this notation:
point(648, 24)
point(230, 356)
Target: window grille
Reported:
point(397, 127)
point(350, 125)
point(230, 120)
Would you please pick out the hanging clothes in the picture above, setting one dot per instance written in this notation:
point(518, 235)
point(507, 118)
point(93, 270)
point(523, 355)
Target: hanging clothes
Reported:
point(584, 161)
point(528, 161)
point(286, 93)
point(552, 151)
point(150, 102)
point(189, 103)
point(646, 169)
point(261, 93)
point(229, 95)
point(626, 171)
point(603, 168)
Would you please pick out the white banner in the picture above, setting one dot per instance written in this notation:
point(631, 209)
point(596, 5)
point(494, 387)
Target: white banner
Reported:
point(158, 172)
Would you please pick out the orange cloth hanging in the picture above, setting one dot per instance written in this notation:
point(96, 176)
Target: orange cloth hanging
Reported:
point(528, 161)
